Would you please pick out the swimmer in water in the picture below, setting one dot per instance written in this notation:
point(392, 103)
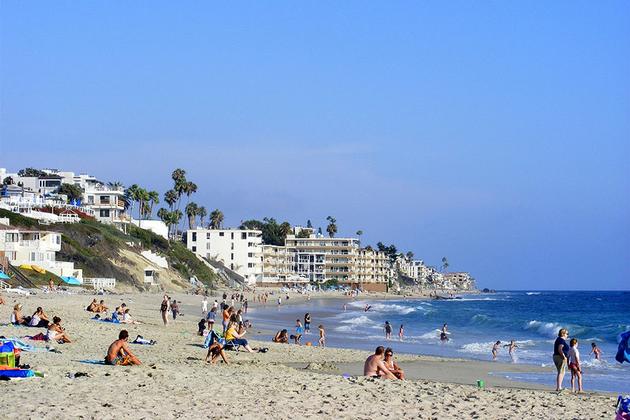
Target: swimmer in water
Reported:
point(595, 351)
point(495, 349)
point(512, 349)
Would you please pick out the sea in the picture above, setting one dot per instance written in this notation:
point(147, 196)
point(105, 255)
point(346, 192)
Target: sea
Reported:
point(475, 323)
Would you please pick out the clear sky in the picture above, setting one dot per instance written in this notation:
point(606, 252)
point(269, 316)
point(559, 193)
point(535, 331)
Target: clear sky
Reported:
point(496, 133)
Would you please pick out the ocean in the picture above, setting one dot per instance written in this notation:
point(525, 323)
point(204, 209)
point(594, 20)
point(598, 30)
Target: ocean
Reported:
point(475, 322)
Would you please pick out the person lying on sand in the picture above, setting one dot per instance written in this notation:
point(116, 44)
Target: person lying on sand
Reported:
point(56, 332)
point(374, 366)
point(391, 364)
point(118, 353)
point(214, 351)
point(281, 337)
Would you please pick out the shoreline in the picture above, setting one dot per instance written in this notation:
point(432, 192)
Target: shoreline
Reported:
point(175, 381)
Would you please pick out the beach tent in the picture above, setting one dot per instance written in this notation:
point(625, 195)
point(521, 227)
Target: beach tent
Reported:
point(71, 280)
point(623, 352)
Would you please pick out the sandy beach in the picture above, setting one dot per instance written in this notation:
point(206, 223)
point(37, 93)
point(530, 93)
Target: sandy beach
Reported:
point(286, 382)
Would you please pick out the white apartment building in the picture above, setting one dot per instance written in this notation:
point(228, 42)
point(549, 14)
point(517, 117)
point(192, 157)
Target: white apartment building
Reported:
point(240, 250)
point(34, 247)
point(278, 265)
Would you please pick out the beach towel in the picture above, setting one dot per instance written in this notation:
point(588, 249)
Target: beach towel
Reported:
point(111, 321)
point(93, 362)
point(17, 373)
point(623, 352)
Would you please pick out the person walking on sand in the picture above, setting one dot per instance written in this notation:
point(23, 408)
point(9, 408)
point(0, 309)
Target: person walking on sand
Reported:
point(401, 332)
point(118, 353)
point(374, 366)
point(164, 308)
point(204, 305)
point(174, 309)
point(388, 330)
point(307, 323)
point(560, 353)
point(495, 349)
point(512, 350)
point(322, 336)
point(574, 365)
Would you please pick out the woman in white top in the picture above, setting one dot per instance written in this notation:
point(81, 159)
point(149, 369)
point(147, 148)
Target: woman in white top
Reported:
point(56, 332)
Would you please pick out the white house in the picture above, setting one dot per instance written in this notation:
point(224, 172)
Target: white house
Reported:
point(239, 250)
point(35, 247)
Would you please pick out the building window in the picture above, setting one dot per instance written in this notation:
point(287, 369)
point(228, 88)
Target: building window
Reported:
point(244, 235)
point(90, 199)
point(194, 249)
point(194, 236)
point(12, 237)
point(250, 265)
point(232, 245)
point(232, 235)
point(250, 254)
point(221, 233)
point(208, 235)
point(104, 213)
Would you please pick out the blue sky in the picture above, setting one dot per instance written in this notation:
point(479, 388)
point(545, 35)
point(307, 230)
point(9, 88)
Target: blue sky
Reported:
point(494, 133)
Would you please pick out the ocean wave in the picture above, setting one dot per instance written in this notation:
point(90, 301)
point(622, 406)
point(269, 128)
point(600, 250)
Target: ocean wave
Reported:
point(548, 329)
point(384, 307)
point(358, 320)
point(532, 293)
point(486, 347)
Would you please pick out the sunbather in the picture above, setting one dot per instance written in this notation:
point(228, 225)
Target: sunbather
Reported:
point(56, 332)
point(118, 353)
point(126, 318)
point(92, 307)
point(39, 318)
point(16, 315)
point(281, 337)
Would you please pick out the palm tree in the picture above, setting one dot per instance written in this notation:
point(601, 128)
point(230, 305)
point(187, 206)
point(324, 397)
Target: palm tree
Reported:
point(332, 226)
point(170, 197)
point(216, 219)
point(359, 234)
point(130, 197)
point(410, 255)
point(175, 217)
point(154, 198)
point(115, 185)
point(285, 228)
point(444, 263)
point(191, 212)
point(202, 213)
point(164, 215)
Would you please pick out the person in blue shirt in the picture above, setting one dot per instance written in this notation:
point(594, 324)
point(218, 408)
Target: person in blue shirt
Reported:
point(560, 354)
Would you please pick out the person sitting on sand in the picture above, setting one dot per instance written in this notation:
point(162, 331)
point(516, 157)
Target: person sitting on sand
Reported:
point(495, 349)
point(93, 306)
point(236, 338)
point(374, 366)
point(391, 364)
point(118, 353)
point(214, 351)
point(102, 307)
point(56, 332)
point(281, 337)
point(595, 351)
point(126, 318)
point(322, 336)
point(16, 315)
point(39, 319)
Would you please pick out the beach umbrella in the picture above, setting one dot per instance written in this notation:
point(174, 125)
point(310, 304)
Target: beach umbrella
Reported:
point(623, 352)
point(71, 280)
point(4, 276)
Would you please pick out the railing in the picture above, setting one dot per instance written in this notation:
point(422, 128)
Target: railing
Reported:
point(100, 282)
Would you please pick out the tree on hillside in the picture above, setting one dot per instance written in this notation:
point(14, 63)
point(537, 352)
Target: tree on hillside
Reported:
point(285, 229)
point(332, 226)
point(154, 198)
point(359, 234)
point(115, 185)
point(309, 224)
point(202, 213)
point(216, 219)
point(390, 251)
point(73, 192)
point(191, 211)
point(252, 224)
point(409, 255)
point(445, 263)
point(170, 198)
point(319, 231)
point(8, 181)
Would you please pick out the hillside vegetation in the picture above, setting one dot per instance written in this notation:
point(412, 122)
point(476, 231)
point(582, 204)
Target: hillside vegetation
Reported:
point(104, 251)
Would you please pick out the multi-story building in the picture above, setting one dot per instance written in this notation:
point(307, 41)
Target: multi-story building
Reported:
point(240, 250)
point(459, 281)
point(107, 202)
point(35, 247)
point(278, 263)
point(372, 267)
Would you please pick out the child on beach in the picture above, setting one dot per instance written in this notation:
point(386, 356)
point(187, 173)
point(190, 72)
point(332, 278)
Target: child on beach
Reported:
point(512, 349)
point(322, 336)
point(574, 365)
point(388, 330)
point(299, 330)
point(307, 323)
point(495, 349)
point(401, 332)
point(595, 351)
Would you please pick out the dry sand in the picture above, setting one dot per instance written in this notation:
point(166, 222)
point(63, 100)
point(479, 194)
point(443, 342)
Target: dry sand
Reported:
point(175, 382)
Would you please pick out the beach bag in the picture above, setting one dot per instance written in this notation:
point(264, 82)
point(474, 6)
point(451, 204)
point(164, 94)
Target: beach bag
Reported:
point(7, 354)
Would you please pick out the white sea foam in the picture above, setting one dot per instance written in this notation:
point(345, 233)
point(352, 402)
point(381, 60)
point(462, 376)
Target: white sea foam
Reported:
point(358, 320)
point(532, 293)
point(548, 329)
